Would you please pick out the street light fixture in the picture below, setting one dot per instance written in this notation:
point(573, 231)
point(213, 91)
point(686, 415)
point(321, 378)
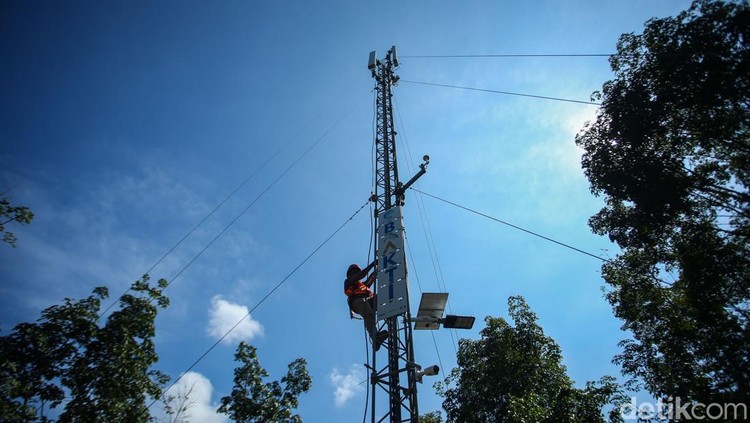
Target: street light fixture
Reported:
point(458, 322)
point(430, 314)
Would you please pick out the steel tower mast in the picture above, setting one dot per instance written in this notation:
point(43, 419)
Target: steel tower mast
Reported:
point(399, 377)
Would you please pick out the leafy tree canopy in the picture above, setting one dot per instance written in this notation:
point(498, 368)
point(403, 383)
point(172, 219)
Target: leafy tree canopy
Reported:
point(431, 417)
point(252, 400)
point(669, 152)
point(515, 374)
point(100, 373)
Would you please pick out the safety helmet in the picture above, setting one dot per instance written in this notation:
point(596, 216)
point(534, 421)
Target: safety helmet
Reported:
point(353, 268)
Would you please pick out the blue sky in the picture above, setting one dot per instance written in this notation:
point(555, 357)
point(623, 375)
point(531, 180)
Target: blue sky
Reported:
point(123, 124)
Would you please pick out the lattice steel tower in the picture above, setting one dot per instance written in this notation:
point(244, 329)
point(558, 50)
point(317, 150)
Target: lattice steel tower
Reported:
point(399, 377)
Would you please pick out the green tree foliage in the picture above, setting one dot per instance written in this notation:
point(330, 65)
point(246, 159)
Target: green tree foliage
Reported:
point(8, 214)
point(102, 373)
point(431, 417)
point(252, 400)
point(515, 374)
point(669, 152)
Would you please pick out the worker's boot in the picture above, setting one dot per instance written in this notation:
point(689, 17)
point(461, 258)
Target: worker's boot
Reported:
point(380, 338)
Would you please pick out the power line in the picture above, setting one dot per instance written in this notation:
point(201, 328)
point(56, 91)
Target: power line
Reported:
point(268, 188)
point(252, 203)
point(513, 226)
point(427, 229)
point(482, 56)
point(231, 194)
point(420, 206)
point(419, 284)
point(567, 100)
point(278, 285)
point(657, 279)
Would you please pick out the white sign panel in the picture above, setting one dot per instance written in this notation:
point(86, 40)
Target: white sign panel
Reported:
point(392, 289)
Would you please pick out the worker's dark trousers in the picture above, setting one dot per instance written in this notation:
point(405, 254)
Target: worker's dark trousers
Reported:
point(363, 307)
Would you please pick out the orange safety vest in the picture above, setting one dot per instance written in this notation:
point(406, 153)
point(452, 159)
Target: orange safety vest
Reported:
point(357, 289)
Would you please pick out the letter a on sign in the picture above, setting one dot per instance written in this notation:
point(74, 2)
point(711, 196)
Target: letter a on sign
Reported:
point(392, 286)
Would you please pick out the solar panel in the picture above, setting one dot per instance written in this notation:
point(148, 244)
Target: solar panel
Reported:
point(431, 308)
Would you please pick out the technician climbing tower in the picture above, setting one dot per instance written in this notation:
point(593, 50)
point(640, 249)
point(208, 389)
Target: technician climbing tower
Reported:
point(400, 375)
point(398, 378)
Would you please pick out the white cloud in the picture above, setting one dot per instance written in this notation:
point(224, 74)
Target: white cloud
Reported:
point(198, 390)
point(223, 315)
point(346, 385)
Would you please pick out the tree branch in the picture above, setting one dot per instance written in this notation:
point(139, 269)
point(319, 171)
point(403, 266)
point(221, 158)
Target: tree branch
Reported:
point(721, 203)
point(742, 197)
